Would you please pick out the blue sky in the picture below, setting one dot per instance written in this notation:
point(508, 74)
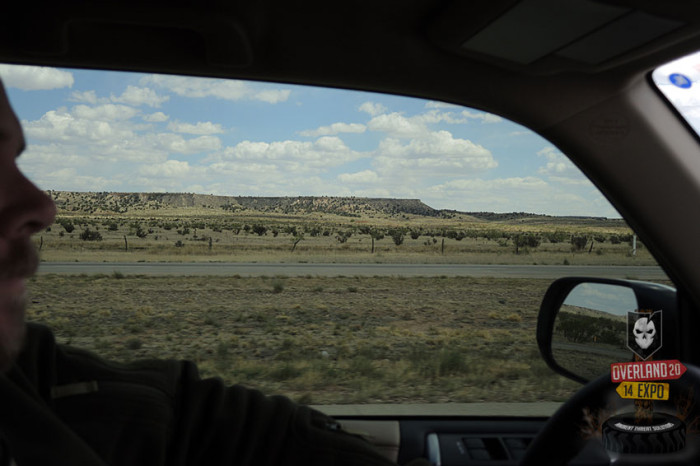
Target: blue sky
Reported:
point(108, 131)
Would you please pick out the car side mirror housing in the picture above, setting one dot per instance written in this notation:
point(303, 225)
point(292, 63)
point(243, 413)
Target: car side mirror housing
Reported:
point(583, 326)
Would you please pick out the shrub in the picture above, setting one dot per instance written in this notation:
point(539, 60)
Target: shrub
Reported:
point(343, 236)
point(397, 235)
point(89, 235)
point(579, 242)
point(557, 236)
point(363, 366)
point(285, 372)
point(525, 240)
point(277, 286)
point(68, 226)
point(134, 343)
point(376, 234)
point(458, 235)
point(452, 362)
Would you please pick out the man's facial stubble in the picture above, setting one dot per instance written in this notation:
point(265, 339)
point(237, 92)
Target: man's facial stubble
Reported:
point(20, 261)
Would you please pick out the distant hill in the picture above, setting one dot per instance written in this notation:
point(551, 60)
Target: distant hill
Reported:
point(111, 203)
point(524, 217)
point(106, 202)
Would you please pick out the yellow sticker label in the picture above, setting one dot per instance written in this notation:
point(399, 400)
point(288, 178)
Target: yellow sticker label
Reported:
point(643, 390)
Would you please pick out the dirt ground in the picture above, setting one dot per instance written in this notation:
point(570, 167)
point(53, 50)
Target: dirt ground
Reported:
point(316, 339)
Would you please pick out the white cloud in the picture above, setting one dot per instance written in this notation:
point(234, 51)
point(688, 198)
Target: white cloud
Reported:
point(436, 116)
point(167, 169)
point(60, 125)
point(397, 125)
point(300, 156)
point(219, 89)
point(571, 181)
point(335, 128)
point(108, 112)
point(132, 95)
point(157, 117)
point(272, 96)
point(70, 179)
point(363, 177)
point(484, 117)
point(480, 185)
point(436, 153)
point(176, 143)
point(515, 194)
point(109, 140)
point(437, 104)
point(34, 78)
point(559, 168)
point(372, 108)
point(202, 127)
point(278, 168)
point(89, 97)
point(550, 153)
point(138, 96)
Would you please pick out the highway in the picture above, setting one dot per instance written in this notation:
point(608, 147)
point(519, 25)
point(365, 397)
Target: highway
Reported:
point(333, 270)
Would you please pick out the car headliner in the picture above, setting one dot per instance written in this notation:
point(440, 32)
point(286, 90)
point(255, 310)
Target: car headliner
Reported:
point(603, 114)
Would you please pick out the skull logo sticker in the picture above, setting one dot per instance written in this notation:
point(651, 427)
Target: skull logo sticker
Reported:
point(644, 333)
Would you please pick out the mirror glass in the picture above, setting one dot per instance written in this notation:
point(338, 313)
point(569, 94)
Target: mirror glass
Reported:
point(590, 328)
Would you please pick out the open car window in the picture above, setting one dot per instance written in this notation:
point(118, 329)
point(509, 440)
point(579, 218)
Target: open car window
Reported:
point(338, 247)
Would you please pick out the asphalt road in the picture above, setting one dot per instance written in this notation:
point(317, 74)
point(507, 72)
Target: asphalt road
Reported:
point(332, 270)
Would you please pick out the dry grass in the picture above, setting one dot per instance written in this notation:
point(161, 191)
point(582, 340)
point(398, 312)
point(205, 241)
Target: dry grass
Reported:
point(319, 340)
point(216, 243)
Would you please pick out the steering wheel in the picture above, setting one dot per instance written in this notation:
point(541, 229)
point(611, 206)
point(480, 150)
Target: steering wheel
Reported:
point(564, 435)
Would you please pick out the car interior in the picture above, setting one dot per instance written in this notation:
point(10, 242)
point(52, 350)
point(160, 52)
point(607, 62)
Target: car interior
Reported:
point(577, 73)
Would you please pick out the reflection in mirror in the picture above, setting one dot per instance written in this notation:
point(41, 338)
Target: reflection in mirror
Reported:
point(590, 330)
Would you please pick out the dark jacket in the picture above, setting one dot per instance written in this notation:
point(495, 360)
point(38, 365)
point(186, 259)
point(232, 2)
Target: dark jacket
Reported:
point(64, 406)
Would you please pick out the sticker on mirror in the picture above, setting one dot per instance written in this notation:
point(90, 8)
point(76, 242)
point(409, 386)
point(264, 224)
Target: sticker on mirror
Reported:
point(643, 390)
point(646, 370)
point(644, 331)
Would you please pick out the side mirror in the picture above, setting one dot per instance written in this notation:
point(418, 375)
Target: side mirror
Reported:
point(582, 326)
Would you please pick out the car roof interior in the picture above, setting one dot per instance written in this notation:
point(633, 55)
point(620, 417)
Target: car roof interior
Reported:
point(457, 51)
point(576, 71)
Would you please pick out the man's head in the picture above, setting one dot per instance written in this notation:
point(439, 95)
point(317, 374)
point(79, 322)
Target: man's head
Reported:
point(24, 210)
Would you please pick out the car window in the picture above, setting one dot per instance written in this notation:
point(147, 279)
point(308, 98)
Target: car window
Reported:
point(678, 82)
point(339, 247)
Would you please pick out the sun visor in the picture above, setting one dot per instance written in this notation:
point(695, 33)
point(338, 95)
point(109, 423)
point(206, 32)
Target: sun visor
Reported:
point(551, 36)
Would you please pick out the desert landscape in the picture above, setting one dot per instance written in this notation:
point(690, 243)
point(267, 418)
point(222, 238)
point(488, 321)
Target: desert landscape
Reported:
point(319, 339)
